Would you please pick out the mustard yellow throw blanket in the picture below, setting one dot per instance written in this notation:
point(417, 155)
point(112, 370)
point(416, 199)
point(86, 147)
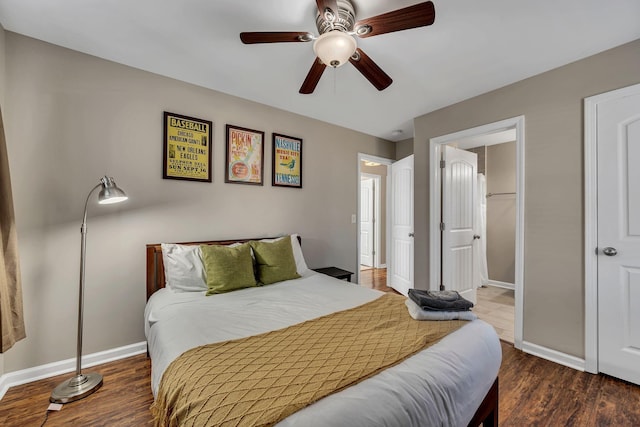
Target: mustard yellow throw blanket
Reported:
point(262, 379)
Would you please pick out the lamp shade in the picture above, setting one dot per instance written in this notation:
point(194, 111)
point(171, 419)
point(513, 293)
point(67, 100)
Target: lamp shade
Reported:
point(334, 48)
point(110, 192)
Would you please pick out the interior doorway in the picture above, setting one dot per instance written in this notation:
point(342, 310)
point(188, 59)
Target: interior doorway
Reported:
point(371, 221)
point(510, 130)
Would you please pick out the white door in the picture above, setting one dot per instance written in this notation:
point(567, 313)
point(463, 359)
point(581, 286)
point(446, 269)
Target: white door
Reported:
point(459, 192)
point(400, 276)
point(367, 220)
point(618, 142)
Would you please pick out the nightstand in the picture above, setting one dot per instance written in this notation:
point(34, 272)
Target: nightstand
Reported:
point(336, 272)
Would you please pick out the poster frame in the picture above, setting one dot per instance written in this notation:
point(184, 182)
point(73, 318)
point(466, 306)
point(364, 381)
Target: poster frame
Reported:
point(228, 163)
point(167, 145)
point(274, 156)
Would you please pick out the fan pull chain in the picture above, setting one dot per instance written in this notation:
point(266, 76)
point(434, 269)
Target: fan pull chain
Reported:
point(335, 91)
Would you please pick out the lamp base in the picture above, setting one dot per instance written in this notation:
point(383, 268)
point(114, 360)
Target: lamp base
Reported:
point(76, 388)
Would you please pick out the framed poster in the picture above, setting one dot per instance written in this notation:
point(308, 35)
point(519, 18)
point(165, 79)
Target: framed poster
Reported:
point(187, 148)
point(245, 156)
point(287, 161)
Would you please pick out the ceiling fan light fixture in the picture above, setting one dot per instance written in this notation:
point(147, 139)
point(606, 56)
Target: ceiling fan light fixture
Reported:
point(334, 48)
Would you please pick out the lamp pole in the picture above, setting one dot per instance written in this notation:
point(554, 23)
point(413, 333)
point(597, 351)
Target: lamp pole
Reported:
point(82, 385)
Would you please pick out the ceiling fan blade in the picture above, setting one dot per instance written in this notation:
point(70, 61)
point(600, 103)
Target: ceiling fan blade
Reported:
point(275, 37)
point(418, 15)
point(370, 70)
point(312, 79)
point(332, 5)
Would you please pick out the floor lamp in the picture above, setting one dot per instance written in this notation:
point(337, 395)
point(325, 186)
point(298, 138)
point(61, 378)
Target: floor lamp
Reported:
point(81, 385)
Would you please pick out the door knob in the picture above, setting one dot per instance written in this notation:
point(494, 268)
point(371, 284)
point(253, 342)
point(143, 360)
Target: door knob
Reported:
point(608, 251)
point(475, 236)
point(410, 234)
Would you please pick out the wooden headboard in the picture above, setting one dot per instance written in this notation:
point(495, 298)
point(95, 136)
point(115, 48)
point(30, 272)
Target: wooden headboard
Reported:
point(155, 266)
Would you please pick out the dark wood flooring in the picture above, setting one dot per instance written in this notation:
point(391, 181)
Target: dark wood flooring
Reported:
point(533, 392)
point(375, 278)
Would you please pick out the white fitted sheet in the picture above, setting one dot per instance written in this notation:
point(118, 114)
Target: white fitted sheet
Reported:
point(441, 385)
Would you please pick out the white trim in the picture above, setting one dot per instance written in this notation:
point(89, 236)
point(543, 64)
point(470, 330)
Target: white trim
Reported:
point(499, 284)
point(382, 161)
point(591, 222)
point(383, 266)
point(69, 365)
point(377, 179)
point(590, 237)
point(554, 356)
point(434, 191)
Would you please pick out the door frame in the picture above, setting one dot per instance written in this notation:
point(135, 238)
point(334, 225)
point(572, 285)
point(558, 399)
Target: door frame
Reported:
point(591, 222)
point(516, 123)
point(377, 182)
point(383, 161)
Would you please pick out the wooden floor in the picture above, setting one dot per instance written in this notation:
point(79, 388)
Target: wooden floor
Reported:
point(375, 278)
point(533, 392)
point(123, 400)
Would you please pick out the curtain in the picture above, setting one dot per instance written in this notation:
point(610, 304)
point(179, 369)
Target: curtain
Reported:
point(481, 230)
point(11, 317)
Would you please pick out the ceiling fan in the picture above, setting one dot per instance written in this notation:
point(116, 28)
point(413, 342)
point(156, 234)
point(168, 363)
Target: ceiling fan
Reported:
point(336, 44)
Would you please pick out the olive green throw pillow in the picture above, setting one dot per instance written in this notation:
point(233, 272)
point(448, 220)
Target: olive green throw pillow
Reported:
point(228, 268)
point(275, 261)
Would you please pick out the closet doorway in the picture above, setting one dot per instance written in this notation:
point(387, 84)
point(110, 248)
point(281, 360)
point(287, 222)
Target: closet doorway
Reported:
point(498, 240)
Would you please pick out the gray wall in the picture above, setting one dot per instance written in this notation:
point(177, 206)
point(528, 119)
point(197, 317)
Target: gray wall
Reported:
point(552, 105)
point(481, 152)
point(501, 212)
point(404, 148)
point(72, 117)
point(382, 171)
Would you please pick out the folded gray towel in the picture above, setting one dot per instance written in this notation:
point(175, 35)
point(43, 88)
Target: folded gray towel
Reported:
point(419, 314)
point(439, 300)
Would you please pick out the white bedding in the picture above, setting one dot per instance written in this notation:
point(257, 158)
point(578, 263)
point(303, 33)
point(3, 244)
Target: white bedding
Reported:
point(442, 385)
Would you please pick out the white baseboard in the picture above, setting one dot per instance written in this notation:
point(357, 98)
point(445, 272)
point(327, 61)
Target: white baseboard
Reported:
point(382, 266)
point(499, 284)
point(64, 366)
point(554, 356)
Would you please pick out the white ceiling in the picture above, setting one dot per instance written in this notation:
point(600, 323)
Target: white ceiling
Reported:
point(473, 47)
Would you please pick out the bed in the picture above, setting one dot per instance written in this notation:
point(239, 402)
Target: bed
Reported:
point(451, 383)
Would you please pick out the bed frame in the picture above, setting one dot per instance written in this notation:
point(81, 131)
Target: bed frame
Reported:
point(487, 413)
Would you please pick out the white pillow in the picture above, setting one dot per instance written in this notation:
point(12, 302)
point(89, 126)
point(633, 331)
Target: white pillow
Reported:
point(301, 265)
point(183, 268)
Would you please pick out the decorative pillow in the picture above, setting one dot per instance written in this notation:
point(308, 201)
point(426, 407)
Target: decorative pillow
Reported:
point(183, 270)
point(301, 265)
point(228, 268)
point(275, 261)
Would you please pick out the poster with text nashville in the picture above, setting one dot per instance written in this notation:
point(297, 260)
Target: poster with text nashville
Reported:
point(187, 148)
point(287, 161)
